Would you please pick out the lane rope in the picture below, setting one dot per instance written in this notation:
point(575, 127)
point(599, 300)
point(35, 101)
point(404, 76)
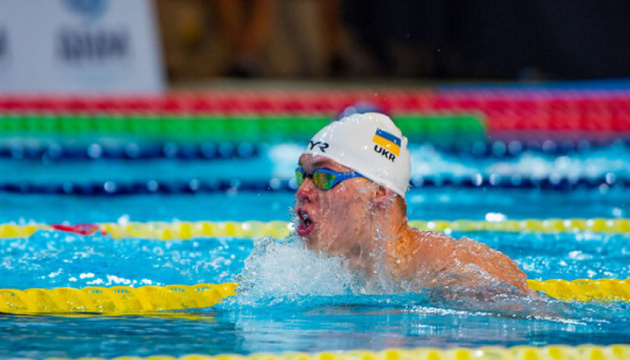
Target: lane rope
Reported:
point(429, 127)
point(41, 149)
point(121, 300)
point(185, 230)
point(505, 109)
point(94, 150)
point(584, 290)
point(238, 101)
point(522, 352)
point(553, 182)
point(116, 300)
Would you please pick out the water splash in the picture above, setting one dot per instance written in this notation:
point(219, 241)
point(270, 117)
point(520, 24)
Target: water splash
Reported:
point(287, 271)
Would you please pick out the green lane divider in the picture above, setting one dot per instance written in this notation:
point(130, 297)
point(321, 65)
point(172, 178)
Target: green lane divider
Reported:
point(417, 127)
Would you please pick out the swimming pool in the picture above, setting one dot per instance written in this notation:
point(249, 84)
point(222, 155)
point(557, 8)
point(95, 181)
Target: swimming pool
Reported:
point(295, 300)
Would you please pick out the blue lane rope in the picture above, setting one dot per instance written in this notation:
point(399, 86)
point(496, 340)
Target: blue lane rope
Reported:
point(192, 186)
point(515, 148)
point(147, 187)
point(54, 151)
point(130, 151)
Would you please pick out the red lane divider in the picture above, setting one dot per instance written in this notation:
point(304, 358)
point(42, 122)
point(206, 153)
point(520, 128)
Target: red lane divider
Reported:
point(504, 109)
point(81, 229)
point(545, 110)
point(221, 102)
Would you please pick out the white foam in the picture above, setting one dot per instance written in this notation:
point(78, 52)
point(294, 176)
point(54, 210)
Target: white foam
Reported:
point(283, 272)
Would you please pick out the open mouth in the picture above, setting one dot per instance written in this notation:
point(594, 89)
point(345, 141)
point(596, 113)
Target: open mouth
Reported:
point(306, 224)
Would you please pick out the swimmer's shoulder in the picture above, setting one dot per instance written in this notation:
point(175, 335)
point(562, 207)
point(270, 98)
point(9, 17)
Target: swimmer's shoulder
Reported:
point(439, 252)
point(426, 246)
point(431, 239)
point(419, 255)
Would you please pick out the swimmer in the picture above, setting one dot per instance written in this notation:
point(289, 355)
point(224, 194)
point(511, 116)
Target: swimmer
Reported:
point(352, 177)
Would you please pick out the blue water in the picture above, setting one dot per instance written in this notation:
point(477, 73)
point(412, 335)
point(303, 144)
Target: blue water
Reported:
point(352, 323)
point(428, 204)
point(367, 322)
point(296, 302)
point(279, 162)
point(292, 314)
point(51, 259)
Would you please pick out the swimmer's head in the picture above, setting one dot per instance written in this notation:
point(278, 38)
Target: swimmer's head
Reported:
point(369, 144)
point(353, 177)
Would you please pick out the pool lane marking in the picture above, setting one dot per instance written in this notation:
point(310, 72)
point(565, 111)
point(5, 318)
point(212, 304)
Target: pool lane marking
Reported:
point(117, 300)
point(155, 300)
point(279, 229)
point(579, 352)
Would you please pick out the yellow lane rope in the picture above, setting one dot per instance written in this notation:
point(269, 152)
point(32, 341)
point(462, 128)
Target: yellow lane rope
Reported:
point(279, 229)
point(152, 299)
point(584, 290)
point(525, 352)
point(116, 300)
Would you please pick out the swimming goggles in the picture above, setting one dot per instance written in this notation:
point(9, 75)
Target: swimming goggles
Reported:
point(324, 179)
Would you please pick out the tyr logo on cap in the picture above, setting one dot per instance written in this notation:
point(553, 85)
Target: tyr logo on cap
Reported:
point(322, 145)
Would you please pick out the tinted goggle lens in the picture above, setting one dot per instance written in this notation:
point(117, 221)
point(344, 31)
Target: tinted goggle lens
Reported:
point(321, 179)
point(299, 176)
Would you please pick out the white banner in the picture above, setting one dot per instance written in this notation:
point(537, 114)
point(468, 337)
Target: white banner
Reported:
point(79, 46)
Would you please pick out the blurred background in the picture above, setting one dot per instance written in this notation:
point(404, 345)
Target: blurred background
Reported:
point(402, 39)
point(89, 45)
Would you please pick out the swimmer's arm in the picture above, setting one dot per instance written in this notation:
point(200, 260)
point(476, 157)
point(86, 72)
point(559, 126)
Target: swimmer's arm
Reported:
point(472, 284)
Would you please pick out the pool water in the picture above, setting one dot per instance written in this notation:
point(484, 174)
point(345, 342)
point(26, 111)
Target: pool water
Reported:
point(298, 302)
point(293, 300)
point(279, 161)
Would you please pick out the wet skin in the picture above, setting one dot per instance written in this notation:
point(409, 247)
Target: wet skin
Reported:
point(359, 220)
point(335, 221)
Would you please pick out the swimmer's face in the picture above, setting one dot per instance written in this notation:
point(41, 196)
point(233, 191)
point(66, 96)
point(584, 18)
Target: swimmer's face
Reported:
point(333, 221)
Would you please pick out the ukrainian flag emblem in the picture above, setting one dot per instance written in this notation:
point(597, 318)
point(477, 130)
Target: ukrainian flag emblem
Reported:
point(387, 141)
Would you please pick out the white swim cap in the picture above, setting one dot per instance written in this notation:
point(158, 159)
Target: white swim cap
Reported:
point(370, 144)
